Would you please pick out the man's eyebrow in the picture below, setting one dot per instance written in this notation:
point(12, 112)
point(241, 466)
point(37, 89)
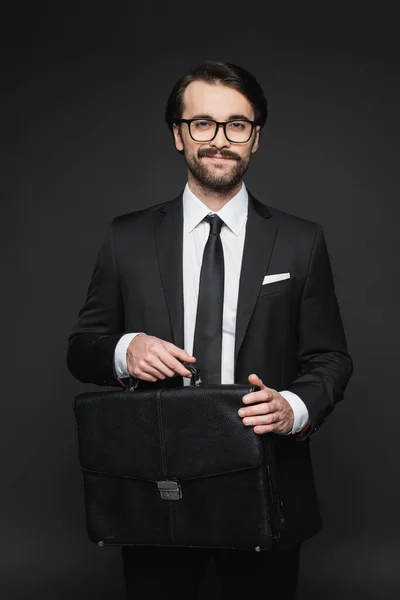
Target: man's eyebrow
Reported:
point(242, 117)
point(202, 117)
point(230, 118)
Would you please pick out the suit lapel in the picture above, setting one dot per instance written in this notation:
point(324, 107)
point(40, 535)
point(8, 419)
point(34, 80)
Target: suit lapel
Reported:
point(169, 241)
point(257, 251)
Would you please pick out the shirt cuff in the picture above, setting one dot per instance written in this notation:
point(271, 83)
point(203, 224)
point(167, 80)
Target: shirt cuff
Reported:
point(299, 409)
point(120, 366)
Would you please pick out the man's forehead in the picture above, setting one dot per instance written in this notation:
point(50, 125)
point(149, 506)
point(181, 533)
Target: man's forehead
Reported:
point(214, 100)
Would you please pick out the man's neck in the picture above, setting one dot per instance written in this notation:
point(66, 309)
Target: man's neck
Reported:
point(213, 200)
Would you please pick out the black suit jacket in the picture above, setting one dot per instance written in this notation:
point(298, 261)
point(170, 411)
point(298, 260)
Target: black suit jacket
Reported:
point(288, 332)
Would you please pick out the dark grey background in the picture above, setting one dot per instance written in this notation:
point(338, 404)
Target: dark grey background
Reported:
point(83, 140)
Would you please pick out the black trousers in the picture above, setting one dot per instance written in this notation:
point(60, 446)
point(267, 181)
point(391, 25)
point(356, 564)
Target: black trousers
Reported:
point(155, 573)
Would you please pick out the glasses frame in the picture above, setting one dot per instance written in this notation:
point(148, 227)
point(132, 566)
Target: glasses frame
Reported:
point(218, 124)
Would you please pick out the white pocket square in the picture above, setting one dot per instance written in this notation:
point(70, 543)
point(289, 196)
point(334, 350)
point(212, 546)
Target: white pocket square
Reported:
point(277, 277)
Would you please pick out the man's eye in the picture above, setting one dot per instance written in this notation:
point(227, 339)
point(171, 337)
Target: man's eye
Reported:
point(237, 125)
point(202, 124)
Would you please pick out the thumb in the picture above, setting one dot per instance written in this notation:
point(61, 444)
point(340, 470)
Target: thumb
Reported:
point(255, 380)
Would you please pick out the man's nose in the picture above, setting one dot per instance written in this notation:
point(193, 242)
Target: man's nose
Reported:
point(220, 141)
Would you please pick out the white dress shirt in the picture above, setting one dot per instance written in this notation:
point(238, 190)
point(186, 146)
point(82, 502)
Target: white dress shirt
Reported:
point(195, 235)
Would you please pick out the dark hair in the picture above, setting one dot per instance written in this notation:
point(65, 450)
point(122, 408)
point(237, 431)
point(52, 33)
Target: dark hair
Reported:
point(223, 73)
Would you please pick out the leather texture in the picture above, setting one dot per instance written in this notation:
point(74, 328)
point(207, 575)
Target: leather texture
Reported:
point(130, 441)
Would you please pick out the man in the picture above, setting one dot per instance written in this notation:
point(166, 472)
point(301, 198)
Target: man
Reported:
point(247, 291)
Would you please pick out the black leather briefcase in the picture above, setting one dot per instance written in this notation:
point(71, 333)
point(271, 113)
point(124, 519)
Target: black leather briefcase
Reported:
point(176, 467)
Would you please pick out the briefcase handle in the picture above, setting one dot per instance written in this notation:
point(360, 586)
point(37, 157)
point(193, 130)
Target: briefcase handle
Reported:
point(195, 371)
point(195, 380)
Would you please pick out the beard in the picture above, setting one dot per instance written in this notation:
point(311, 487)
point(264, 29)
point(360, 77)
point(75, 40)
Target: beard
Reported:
point(217, 180)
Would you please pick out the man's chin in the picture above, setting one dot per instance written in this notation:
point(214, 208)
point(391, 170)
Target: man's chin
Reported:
point(219, 185)
point(219, 176)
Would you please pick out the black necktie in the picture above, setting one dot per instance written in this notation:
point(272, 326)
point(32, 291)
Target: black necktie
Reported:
point(207, 343)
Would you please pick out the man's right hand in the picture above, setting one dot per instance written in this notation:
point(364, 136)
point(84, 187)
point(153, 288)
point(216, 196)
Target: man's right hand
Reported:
point(150, 358)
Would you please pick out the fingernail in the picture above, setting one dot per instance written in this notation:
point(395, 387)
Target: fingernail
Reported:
point(241, 412)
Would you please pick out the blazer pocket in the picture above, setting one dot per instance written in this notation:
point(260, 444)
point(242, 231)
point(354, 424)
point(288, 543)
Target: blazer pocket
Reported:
point(283, 285)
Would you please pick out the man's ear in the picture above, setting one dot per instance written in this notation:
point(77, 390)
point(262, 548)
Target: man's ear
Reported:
point(177, 137)
point(256, 142)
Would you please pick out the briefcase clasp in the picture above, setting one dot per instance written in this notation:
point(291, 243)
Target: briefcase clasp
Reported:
point(169, 490)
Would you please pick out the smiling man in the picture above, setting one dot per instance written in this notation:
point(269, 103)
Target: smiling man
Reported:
point(244, 289)
point(217, 153)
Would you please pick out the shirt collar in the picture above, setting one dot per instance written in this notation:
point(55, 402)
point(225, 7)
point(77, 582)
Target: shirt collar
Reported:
point(233, 214)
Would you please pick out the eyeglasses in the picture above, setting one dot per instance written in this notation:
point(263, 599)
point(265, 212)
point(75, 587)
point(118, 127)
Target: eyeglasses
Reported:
point(237, 131)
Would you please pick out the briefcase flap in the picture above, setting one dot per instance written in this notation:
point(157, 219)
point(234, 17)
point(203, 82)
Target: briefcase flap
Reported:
point(166, 434)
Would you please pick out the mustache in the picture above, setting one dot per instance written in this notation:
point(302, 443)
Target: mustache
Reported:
point(210, 152)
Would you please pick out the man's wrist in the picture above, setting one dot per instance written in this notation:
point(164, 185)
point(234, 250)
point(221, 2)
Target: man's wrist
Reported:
point(300, 411)
point(120, 362)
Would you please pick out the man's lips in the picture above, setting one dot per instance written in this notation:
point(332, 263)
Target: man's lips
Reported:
point(218, 157)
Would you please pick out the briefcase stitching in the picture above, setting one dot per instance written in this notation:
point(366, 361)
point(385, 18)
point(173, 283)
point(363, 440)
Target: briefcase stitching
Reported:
point(164, 465)
point(161, 432)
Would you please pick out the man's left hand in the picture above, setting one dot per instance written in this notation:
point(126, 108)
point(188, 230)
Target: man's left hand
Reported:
point(270, 411)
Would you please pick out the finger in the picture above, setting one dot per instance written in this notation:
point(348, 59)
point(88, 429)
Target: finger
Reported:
point(166, 363)
point(260, 420)
point(258, 409)
point(173, 364)
point(256, 380)
point(149, 370)
point(150, 378)
point(157, 363)
point(280, 427)
point(178, 367)
point(264, 395)
point(179, 353)
point(143, 369)
point(143, 376)
point(265, 428)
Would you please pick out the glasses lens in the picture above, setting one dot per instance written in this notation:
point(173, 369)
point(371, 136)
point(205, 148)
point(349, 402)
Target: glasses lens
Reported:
point(238, 131)
point(202, 130)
